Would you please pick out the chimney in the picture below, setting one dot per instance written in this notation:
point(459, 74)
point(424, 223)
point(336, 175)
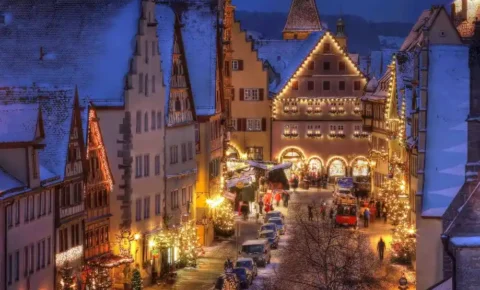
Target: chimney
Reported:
point(41, 53)
point(453, 12)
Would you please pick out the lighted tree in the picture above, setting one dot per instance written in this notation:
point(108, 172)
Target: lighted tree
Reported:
point(137, 283)
point(224, 219)
point(395, 198)
point(66, 278)
point(103, 279)
point(188, 244)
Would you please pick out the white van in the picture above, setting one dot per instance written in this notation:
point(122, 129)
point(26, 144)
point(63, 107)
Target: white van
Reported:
point(258, 250)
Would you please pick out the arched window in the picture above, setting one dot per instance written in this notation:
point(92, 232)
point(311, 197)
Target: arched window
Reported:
point(153, 120)
point(145, 128)
point(178, 105)
point(314, 166)
point(360, 168)
point(337, 168)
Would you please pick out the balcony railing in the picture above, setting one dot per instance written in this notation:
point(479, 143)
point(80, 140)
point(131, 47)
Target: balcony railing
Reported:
point(71, 210)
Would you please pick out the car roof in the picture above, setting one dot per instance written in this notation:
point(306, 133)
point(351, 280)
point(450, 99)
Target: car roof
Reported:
point(266, 231)
point(268, 224)
point(275, 211)
point(253, 242)
point(275, 219)
point(244, 260)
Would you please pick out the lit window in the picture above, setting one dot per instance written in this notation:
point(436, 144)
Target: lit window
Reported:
point(235, 64)
point(341, 108)
point(318, 108)
point(251, 95)
point(310, 107)
point(310, 131)
point(286, 130)
point(254, 124)
point(340, 130)
point(294, 130)
point(293, 107)
point(333, 108)
point(333, 130)
point(286, 107)
point(317, 132)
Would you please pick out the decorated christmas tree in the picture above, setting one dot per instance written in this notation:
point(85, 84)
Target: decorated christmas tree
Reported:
point(189, 246)
point(103, 279)
point(396, 202)
point(137, 283)
point(224, 219)
point(66, 278)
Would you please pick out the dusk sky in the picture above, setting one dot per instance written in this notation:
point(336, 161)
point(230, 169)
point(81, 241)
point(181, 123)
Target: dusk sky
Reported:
point(372, 10)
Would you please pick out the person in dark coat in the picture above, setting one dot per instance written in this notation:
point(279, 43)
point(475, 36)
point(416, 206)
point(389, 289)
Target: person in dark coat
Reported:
point(366, 217)
point(260, 206)
point(310, 212)
point(286, 198)
point(378, 206)
point(381, 248)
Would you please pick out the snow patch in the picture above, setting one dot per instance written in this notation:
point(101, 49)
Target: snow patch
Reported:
point(466, 241)
point(434, 212)
point(462, 148)
point(450, 192)
point(456, 170)
point(460, 127)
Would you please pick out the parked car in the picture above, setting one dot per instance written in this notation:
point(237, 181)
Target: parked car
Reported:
point(282, 227)
point(272, 214)
point(249, 264)
point(258, 250)
point(244, 276)
point(268, 227)
point(221, 284)
point(271, 236)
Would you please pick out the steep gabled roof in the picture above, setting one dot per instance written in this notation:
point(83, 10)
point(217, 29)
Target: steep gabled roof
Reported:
point(303, 16)
point(18, 122)
point(88, 43)
point(57, 111)
point(299, 59)
point(8, 182)
point(447, 138)
point(277, 53)
point(199, 34)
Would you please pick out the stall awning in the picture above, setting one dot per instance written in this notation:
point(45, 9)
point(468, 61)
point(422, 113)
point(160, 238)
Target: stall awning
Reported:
point(269, 167)
point(109, 260)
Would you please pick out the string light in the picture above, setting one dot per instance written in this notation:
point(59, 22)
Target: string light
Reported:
point(94, 129)
point(70, 255)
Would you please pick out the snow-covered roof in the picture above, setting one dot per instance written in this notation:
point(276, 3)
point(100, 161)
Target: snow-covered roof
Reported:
point(390, 42)
point(165, 31)
point(443, 285)
point(380, 87)
point(242, 259)
point(425, 21)
point(372, 85)
point(57, 111)
point(199, 30)
point(8, 182)
point(88, 43)
point(277, 53)
point(303, 16)
point(18, 122)
point(379, 61)
point(307, 47)
point(404, 74)
point(472, 241)
point(446, 151)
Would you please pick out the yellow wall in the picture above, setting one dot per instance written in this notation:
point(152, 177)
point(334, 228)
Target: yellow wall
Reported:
point(252, 76)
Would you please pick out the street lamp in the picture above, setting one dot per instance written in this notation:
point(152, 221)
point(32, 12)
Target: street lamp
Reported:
point(205, 227)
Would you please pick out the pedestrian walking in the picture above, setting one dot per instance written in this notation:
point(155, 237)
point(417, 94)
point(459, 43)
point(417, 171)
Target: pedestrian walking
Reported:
point(378, 207)
point(381, 248)
point(331, 214)
point(286, 198)
point(385, 214)
point(323, 211)
point(295, 184)
point(260, 206)
point(366, 217)
point(310, 212)
point(277, 198)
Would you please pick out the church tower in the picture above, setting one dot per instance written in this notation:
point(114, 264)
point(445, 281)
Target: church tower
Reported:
point(340, 36)
point(302, 20)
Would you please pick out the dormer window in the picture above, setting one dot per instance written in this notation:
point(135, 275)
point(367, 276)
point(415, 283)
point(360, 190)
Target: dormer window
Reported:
point(295, 85)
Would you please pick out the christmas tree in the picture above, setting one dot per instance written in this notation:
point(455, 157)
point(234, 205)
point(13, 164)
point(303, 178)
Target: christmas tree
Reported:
point(103, 279)
point(189, 246)
point(66, 278)
point(224, 219)
point(396, 202)
point(137, 283)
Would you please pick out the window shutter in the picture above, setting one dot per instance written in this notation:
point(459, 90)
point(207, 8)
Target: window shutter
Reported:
point(242, 93)
point(244, 124)
point(260, 94)
point(233, 94)
point(240, 64)
point(264, 124)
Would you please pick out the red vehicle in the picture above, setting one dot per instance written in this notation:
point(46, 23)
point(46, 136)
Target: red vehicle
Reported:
point(346, 215)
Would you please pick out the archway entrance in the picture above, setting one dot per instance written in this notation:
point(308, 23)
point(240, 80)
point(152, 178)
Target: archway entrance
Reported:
point(315, 166)
point(295, 157)
point(337, 168)
point(360, 167)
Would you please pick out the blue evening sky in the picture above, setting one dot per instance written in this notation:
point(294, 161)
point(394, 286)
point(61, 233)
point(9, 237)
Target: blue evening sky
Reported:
point(372, 10)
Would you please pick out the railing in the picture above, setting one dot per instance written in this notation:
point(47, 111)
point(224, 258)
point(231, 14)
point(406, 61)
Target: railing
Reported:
point(71, 210)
